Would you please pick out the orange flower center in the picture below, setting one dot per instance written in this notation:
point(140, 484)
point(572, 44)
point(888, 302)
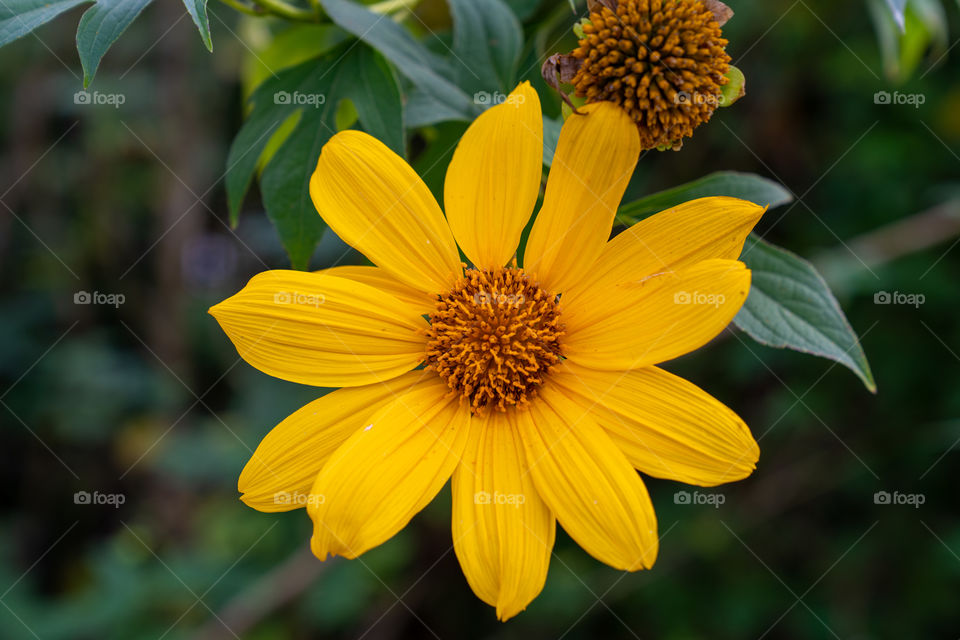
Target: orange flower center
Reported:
point(662, 61)
point(494, 337)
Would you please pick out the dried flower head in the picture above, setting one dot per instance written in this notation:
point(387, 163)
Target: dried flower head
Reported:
point(663, 61)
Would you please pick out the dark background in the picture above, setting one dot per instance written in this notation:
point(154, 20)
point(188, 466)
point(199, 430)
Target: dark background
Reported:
point(148, 400)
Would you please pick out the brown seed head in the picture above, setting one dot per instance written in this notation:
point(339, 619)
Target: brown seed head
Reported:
point(493, 337)
point(663, 61)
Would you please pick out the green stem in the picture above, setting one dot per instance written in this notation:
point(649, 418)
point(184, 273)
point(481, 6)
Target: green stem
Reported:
point(389, 6)
point(243, 8)
point(284, 10)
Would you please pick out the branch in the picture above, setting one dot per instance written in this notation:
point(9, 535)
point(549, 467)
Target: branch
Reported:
point(271, 592)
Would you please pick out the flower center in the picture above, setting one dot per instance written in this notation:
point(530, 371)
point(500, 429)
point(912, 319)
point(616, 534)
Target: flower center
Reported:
point(493, 338)
point(663, 61)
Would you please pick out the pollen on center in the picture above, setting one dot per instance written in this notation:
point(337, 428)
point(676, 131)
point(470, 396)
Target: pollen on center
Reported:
point(494, 337)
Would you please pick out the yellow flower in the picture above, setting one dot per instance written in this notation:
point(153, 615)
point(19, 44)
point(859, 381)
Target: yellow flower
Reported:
point(540, 397)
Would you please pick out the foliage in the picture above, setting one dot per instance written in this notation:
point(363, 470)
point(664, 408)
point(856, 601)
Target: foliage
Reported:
point(113, 392)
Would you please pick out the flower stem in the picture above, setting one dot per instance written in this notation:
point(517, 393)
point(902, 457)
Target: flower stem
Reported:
point(250, 10)
point(289, 11)
point(389, 6)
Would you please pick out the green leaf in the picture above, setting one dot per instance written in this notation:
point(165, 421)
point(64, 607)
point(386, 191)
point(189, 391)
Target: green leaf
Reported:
point(198, 11)
point(100, 26)
point(296, 44)
point(523, 8)
point(896, 10)
point(791, 307)
point(20, 17)
point(918, 30)
point(313, 89)
point(487, 40)
point(429, 72)
point(551, 136)
point(734, 89)
point(746, 186)
point(423, 109)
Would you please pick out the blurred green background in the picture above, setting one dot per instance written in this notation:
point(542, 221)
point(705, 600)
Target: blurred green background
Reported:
point(146, 401)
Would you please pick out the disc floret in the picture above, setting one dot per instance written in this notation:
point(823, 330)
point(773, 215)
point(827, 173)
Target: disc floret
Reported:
point(494, 337)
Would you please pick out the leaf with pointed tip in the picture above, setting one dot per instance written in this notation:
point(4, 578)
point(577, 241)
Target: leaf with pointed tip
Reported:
point(20, 17)
point(745, 186)
point(198, 11)
point(790, 306)
point(99, 28)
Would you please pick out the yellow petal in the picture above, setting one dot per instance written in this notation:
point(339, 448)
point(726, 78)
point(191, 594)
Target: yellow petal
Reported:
point(666, 426)
point(592, 165)
point(388, 471)
point(503, 532)
point(494, 178)
point(377, 204)
point(673, 239)
point(376, 277)
point(641, 323)
point(588, 483)
point(284, 467)
point(322, 330)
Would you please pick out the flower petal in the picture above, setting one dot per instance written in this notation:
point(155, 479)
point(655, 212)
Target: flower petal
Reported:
point(388, 471)
point(674, 239)
point(376, 277)
point(503, 532)
point(282, 470)
point(494, 177)
point(588, 483)
point(667, 427)
point(377, 204)
point(638, 324)
point(322, 330)
point(595, 157)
